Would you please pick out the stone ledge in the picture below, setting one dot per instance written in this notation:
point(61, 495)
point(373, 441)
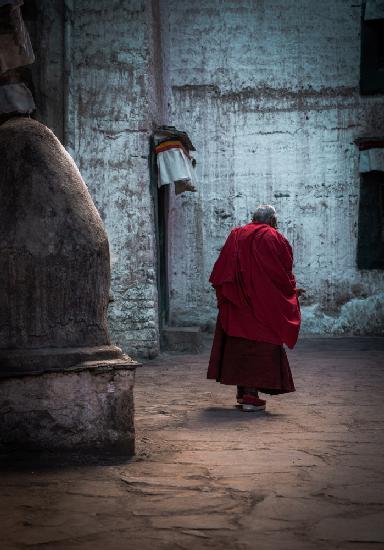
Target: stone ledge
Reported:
point(182, 339)
point(38, 361)
point(125, 363)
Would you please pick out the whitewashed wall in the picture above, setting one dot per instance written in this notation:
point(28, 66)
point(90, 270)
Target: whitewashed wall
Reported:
point(112, 107)
point(269, 94)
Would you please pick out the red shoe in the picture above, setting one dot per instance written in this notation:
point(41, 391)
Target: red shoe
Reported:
point(253, 403)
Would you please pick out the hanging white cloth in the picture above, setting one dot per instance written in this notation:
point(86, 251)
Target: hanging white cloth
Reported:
point(374, 9)
point(371, 159)
point(173, 164)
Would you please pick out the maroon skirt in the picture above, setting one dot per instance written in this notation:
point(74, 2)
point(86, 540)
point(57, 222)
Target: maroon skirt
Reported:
point(242, 362)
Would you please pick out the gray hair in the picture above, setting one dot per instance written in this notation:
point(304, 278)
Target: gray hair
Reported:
point(263, 213)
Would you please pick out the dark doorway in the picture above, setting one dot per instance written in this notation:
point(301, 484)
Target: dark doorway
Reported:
point(372, 57)
point(161, 207)
point(370, 246)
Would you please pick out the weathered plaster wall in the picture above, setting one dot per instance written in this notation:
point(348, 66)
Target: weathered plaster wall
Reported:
point(269, 94)
point(113, 102)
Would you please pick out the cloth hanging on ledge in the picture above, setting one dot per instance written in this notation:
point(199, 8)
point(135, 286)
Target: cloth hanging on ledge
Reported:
point(371, 159)
point(175, 165)
point(163, 133)
point(374, 9)
point(371, 154)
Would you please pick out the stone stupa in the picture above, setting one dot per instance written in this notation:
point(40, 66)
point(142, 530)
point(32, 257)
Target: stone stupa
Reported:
point(62, 384)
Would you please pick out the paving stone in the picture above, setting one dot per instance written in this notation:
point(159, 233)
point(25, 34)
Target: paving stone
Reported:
point(371, 493)
point(193, 521)
point(368, 528)
point(306, 475)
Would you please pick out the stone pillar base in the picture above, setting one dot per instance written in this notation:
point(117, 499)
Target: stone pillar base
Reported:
point(87, 407)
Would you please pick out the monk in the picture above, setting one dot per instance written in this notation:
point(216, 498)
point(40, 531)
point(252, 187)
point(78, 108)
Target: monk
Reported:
point(259, 311)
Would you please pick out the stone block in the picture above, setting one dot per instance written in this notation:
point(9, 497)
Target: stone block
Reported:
point(88, 407)
point(187, 339)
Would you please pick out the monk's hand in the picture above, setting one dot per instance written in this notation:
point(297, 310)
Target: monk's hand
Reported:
point(300, 292)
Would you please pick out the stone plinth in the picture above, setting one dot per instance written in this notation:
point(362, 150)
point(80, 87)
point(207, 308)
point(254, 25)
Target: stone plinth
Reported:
point(182, 339)
point(16, 361)
point(86, 407)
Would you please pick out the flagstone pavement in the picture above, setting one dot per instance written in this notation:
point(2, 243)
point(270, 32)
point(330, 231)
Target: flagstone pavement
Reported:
point(306, 474)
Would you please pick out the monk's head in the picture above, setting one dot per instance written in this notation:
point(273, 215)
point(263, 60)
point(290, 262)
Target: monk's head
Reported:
point(265, 213)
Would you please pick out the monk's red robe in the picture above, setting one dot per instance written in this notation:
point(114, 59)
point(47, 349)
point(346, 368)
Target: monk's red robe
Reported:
point(258, 310)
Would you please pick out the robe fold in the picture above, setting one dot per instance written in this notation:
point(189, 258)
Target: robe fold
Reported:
point(258, 310)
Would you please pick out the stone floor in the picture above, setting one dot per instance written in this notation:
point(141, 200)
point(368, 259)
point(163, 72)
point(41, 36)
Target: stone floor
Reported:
point(305, 475)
